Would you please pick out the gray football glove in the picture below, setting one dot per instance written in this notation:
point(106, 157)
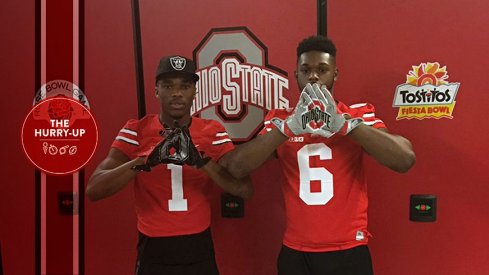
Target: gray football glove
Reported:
point(316, 113)
point(294, 124)
point(336, 122)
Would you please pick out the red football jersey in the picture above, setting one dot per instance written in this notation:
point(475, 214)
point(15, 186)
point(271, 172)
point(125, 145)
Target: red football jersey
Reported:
point(172, 200)
point(325, 190)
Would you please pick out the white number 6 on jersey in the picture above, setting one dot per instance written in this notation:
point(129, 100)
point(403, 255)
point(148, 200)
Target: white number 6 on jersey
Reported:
point(308, 174)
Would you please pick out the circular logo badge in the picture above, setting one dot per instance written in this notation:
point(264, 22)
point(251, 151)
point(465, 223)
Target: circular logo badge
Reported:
point(59, 135)
point(60, 87)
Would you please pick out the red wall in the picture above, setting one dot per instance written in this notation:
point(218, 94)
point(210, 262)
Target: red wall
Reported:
point(17, 183)
point(378, 42)
point(110, 234)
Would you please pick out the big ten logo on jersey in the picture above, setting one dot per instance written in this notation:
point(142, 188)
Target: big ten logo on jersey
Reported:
point(296, 139)
point(237, 85)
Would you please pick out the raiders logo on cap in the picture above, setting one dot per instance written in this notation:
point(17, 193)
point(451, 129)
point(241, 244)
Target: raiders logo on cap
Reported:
point(178, 63)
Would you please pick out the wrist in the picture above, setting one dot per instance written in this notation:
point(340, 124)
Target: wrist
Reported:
point(139, 164)
point(283, 127)
point(353, 124)
point(202, 163)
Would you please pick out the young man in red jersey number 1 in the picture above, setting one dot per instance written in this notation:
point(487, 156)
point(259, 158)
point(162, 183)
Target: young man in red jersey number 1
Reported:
point(320, 146)
point(171, 197)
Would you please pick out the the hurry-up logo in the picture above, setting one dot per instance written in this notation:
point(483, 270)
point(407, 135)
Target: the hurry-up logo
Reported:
point(426, 93)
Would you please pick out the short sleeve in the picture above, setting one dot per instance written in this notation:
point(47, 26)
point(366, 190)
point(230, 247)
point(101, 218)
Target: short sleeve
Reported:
point(366, 111)
point(220, 142)
point(128, 139)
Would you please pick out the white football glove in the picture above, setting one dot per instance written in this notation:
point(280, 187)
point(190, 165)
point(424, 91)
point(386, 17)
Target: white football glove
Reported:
point(305, 117)
point(336, 122)
point(316, 113)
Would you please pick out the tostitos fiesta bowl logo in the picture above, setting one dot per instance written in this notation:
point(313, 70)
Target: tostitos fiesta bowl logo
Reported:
point(426, 93)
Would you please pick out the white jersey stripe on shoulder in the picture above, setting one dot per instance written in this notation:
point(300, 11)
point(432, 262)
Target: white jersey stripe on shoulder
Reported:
point(127, 131)
point(221, 134)
point(369, 115)
point(221, 141)
point(266, 122)
point(373, 122)
point(358, 105)
point(131, 141)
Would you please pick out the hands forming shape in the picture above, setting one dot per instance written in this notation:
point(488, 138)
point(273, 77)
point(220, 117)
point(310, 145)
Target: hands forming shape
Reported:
point(316, 113)
point(177, 148)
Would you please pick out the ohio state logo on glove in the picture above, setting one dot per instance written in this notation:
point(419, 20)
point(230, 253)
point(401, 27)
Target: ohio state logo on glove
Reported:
point(316, 113)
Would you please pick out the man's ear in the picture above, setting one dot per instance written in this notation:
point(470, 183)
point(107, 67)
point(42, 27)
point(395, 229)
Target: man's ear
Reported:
point(295, 73)
point(156, 93)
point(336, 73)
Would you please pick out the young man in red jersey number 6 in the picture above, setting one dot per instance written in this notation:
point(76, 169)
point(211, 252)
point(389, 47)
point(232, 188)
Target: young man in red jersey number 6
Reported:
point(320, 146)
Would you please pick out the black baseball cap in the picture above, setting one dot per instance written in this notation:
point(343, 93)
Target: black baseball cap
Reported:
point(176, 64)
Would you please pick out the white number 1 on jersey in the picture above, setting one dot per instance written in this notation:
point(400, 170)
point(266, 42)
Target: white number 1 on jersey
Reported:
point(177, 202)
point(308, 174)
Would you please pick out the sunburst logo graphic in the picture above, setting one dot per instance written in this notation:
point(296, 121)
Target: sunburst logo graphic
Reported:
point(427, 73)
point(426, 93)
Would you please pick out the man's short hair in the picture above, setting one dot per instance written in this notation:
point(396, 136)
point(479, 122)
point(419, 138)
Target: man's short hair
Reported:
point(316, 43)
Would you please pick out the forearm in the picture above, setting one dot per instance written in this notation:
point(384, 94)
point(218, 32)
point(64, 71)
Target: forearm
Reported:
point(392, 151)
point(238, 187)
point(247, 157)
point(106, 182)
